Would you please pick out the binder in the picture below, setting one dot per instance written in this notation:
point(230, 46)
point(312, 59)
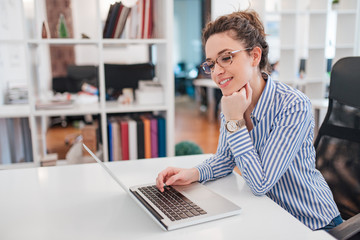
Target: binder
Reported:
point(116, 141)
point(140, 138)
point(161, 136)
point(147, 136)
point(133, 145)
point(154, 137)
point(124, 129)
point(110, 142)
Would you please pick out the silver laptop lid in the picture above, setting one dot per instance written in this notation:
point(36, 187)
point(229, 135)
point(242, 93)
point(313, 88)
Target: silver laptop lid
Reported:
point(106, 168)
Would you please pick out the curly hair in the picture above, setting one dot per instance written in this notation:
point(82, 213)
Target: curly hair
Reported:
point(245, 26)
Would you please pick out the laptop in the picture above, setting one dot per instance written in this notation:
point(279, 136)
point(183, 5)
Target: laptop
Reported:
point(177, 206)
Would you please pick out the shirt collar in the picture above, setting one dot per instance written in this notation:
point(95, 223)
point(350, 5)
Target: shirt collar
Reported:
point(266, 99)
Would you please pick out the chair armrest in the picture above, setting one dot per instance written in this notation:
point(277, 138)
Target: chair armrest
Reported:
point(347, 229)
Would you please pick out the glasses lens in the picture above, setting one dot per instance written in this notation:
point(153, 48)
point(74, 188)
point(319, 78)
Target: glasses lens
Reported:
point(207, 67)
point(225, 60)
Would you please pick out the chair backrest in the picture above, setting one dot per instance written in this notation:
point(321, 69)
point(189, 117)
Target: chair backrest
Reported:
point(338, 141)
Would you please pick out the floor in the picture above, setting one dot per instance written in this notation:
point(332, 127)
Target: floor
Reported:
point(191, 124)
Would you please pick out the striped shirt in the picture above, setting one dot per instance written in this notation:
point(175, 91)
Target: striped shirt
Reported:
point(277, 156)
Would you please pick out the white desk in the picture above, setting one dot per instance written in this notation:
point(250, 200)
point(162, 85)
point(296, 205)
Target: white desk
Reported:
point(211, 101)
point(320, 107)
point(83, 202)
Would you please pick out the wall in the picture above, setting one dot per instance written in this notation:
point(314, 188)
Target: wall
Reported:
point(221, 7)
point(187, 32)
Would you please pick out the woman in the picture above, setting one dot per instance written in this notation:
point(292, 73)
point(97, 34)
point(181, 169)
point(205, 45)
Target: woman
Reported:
point(266, 127)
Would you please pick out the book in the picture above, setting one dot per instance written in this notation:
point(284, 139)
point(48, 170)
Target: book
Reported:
point(110, 141)
point(116, 140)
point(154, 137)
point(161, 136)
point(147, 19)
point(122, 20)
point(133, 145)
point(117, 21)
point(107, 21)
point(124, 130)
point(147, 136)
point(140, 18)
point(140, 138)
point(112, 20)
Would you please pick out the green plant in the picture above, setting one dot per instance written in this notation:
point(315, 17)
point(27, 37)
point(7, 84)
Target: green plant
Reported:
point(187, 148)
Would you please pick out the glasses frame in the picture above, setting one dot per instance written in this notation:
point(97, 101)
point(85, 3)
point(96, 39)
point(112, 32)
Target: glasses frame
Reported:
point(231, 53)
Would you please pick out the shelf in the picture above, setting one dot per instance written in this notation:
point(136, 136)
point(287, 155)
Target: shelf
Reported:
point(287, 47)
point(306, 81)
point(68, 41)
point(133, 41)
point(12, 41)
point(316, 47)
point(18, 110)
point(62, 41)
point(114, 107)
point(346, 11)
point(318, 12)
point(345, 46)
point(18, 165)
point(73, 110)
point(42, 59)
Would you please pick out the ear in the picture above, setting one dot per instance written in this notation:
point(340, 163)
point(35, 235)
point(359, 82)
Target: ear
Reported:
point(256, 56)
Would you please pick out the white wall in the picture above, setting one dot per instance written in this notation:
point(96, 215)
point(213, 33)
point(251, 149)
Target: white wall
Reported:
point(187, 32)
point(221, 7)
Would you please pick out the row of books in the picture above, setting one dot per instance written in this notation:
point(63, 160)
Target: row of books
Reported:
point(15, 140)
point(136, 137)
point(129, 22)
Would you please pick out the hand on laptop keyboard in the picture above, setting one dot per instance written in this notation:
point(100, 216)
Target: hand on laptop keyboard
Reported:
point(176, 176)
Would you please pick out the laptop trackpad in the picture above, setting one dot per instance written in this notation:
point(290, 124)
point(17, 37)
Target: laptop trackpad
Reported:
point(208, 200)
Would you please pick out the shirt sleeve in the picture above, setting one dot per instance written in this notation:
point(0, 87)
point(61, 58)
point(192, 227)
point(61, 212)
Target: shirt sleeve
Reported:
point(222, 162)
point(262, 170)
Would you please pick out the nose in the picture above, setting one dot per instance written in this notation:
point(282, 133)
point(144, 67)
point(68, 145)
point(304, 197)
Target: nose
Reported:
point(218, 69)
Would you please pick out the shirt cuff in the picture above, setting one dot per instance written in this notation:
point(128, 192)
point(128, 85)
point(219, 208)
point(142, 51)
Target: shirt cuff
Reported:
point(205, 172)
point(240, 142)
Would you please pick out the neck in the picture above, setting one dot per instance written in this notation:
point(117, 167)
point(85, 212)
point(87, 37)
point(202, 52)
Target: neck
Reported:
point(257, 84)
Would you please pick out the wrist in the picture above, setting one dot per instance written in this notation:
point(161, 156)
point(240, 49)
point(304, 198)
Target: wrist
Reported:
point(196, 175)
point(234, 125)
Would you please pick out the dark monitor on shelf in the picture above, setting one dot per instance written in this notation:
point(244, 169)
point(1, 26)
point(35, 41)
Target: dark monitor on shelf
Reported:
point(328, 65)
point(120, 76)
point(76, 75)
point(302, 65)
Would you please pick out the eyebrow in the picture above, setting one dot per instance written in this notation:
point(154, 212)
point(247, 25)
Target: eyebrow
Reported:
point(222, 51)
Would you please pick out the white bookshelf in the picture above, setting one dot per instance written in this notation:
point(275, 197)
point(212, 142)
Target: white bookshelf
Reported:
point(316, 76)
point(38, 74)
point(347, 29)
point(289, 41)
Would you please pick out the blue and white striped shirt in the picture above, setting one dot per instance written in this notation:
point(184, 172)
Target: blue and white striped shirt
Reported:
point(277, 157)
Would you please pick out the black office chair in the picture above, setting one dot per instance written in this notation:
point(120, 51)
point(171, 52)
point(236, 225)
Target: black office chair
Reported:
point(338, 145)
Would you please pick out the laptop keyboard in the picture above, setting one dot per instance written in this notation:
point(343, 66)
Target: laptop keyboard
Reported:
point(172, 203)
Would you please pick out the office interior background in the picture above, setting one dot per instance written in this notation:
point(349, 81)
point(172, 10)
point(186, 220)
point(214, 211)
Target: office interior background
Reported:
point(60, 73)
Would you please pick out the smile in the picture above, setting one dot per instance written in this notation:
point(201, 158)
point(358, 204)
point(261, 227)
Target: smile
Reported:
point(225, 81)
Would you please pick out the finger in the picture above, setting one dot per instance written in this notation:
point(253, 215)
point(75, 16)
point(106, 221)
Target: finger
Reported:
point(160, 180)
point(248, 90)
point(160, 183)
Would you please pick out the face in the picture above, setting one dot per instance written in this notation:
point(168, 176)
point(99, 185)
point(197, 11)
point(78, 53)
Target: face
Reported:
point(239, 67)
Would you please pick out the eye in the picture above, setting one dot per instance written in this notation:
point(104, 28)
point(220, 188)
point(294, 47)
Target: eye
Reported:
point(225, 58)
point(210, 65)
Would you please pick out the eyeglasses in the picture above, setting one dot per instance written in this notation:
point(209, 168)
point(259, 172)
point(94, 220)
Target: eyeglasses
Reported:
point(223, 60)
